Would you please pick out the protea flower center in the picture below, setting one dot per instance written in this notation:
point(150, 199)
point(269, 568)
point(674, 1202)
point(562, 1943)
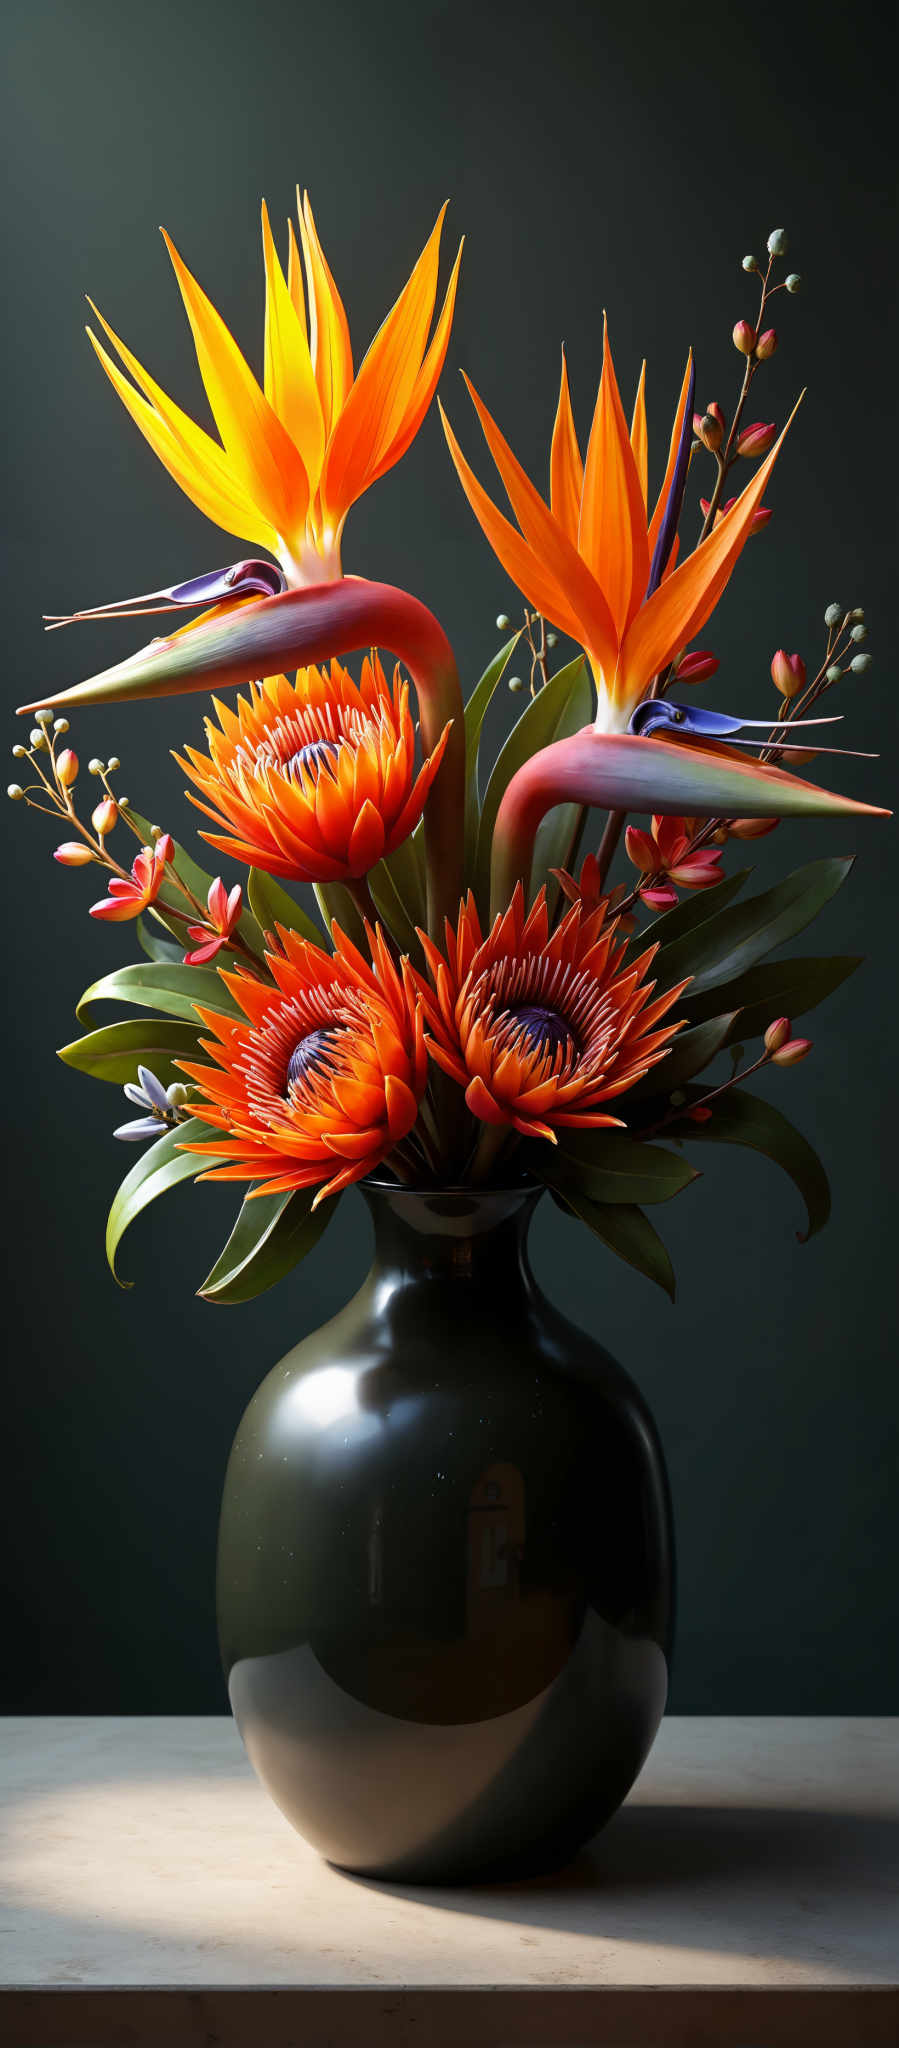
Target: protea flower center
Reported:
point(543, 1028)
point(313, 757)
point(311, 1053)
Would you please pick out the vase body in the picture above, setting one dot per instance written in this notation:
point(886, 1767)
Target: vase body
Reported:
point(445, 1562)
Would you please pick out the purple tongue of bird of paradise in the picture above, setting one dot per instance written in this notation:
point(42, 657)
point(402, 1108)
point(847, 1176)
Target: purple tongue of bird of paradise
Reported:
point(255, 578)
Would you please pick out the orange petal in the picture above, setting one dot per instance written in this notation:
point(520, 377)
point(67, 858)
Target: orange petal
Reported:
point(683, 603)
point(373, 411)
point(427, 379)
point(519, 561)
point(332, 356)
point(639, 441)
point(612, 535)
point(196, 462)
point(290, 385)
point(548, 540)
point(260, 450)
point(671, 465)
point(566, 470)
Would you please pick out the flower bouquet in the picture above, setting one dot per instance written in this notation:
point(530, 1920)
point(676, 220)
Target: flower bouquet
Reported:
point(481, 1012)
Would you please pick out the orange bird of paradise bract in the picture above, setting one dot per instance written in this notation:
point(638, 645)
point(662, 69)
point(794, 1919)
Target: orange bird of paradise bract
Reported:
point(296, 452)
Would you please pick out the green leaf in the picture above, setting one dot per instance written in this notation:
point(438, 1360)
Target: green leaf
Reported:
point(272, 1234)
point(557, 830)
point(335, 901)
point(741, 1119)
point(115, 1052)
point(391, 909)
point(157, 1169)
point(475, 713)
point(161, 985)
point(727, 944)
point(628, 1233)
point(548, 717)
point(780, 988)
point(406, 869)
point(273, 905)
point(690, 1052)
point(198, 881)
point(611, 1166)
point(155, 946)
point(691, 914)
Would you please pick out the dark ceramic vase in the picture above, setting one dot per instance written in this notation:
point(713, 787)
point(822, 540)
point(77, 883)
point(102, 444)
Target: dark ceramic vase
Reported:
point(445, 1562)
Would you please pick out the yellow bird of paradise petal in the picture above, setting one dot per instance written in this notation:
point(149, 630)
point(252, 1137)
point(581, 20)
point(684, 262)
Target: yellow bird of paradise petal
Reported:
point(297, 451)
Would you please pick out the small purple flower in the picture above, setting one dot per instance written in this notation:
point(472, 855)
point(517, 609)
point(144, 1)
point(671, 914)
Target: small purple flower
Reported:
point(150, 1096)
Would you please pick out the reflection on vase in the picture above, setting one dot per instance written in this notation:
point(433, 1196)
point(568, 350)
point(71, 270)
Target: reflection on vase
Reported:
point(445, 1562)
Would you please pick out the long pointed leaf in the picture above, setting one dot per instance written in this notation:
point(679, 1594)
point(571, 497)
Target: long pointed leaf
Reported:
point(271, 1235)
point(627, 1232)
point(780, 988)
point(741, 1119)
point(475, 713)
point(273, 905)
point(162, 1166)
point(160, 985)
point(543, 723)
point(691, 1051)
point(610, 1166)
point(115, 1052)
point(728, 944)
point(151, 942)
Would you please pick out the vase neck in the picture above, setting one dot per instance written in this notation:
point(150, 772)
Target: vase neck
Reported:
point(462, 1235)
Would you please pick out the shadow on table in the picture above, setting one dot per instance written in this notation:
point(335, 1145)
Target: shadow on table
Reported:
point(770, 1855)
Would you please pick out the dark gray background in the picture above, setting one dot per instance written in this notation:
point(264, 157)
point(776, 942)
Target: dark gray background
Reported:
point(623, 157)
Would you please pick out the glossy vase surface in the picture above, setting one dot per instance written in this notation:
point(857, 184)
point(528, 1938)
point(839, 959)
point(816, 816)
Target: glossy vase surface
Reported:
point(445, 1561)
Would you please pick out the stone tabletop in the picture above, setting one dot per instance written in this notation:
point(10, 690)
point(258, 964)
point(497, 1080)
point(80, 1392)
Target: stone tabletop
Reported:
point(746, 1894)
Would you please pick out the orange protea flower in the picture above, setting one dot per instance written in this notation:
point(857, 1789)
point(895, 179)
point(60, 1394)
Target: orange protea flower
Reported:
point(323, 1078)
point(542, 1030)
point(315, 779)
point(296, 452)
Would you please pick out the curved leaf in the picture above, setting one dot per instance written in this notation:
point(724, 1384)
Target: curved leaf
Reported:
point(161, 985)
point(273, 905)
point(692, 913)
point(475, 713)
point(406, 869)
point(271, 1235)
point(115, 1052)
point(728, 944)
point(691, 1051)
point(610, 1166)
point(151, 942)
point(628, 1233)
point(548, 717)
point(334, 900)
point(162, 1166)
point(780, 988)
point(741, 1119)
point(392, 910)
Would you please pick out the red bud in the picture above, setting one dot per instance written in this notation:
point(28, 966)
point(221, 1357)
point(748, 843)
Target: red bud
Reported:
point(788, 673)
point(757, 439)
point(715, 412)
point(104, 816)
point(708, 430)
point(790, 1054)
point(777, 1034)
point(766, 344)
point(699, 1115)
point(753, 828)
point(760, 518)
point(697, 667)
point(67, 767)
point(73, 854)
point(744, 337)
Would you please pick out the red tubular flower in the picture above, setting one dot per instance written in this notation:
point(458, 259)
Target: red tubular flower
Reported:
point(542, 1029)
point(127, 898)
point(666, 854)
point(757, 439)
point(321, 1077)
point(314, 779)
point(224, 912)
